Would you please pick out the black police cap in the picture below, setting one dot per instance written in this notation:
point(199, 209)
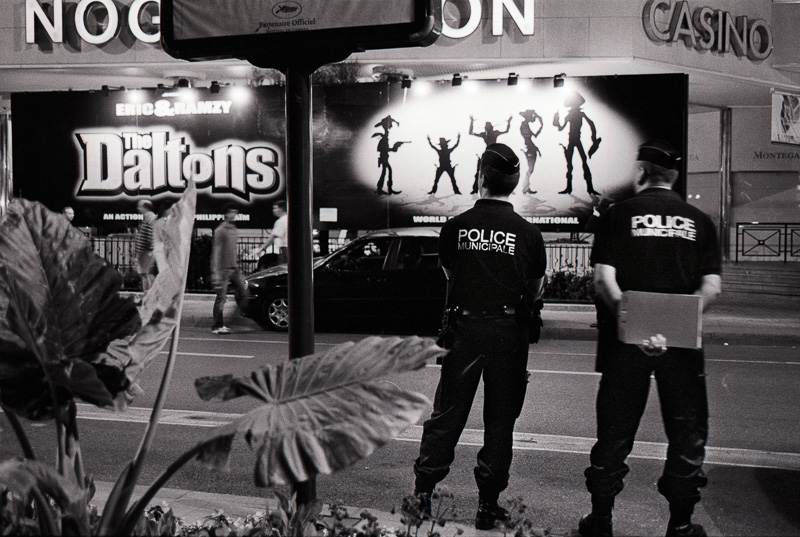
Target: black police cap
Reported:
point(500, 157)
point(660, 153)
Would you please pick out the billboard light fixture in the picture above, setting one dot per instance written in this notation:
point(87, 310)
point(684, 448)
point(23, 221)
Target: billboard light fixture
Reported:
point(456, 80)
point(106, 90)
point(558, 80)
point(513, 78)
point(214, 87)
point(406, 83)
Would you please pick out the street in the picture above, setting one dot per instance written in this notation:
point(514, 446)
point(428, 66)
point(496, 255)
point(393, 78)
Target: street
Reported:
point(753, 461)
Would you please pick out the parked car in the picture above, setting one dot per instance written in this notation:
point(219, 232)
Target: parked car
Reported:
point(391, 276)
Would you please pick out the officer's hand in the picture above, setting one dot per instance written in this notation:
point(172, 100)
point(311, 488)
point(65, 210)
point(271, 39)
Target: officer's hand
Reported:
point(654, 346)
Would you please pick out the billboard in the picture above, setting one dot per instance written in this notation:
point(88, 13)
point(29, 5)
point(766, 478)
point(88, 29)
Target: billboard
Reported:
point(294, 28)
point(106, 150)
point(384, 155)
point(410, 158)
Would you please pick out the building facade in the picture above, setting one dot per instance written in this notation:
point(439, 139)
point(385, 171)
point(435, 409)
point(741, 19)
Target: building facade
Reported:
point(742, 59)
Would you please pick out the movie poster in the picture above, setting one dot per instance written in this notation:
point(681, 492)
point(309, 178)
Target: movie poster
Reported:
point(785, 118)
point(384, 156)
point(101, 152)
point(410, 157)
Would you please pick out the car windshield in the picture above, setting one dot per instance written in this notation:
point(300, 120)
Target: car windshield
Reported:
point(366, 254)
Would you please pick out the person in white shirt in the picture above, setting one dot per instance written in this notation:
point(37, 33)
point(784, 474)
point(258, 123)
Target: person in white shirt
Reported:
point(277, 237)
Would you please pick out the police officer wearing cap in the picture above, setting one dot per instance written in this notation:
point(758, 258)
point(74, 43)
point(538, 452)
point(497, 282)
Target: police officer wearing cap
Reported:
point(495, 262)
point(654, 242)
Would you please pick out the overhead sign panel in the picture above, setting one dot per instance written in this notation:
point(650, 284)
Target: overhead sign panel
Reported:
point(193, 20)
point(248, 28)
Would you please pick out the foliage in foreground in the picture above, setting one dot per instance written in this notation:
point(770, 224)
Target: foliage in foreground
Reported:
point(570, 287)
point(66, 334)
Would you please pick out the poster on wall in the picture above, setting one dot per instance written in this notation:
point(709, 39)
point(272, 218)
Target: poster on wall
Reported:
point(410, 156)
point(384, 156)
point(785, 118)
point(101, 152)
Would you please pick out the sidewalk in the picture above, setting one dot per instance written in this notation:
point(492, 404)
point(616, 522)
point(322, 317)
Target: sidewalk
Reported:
point(761, 320)
point(767, 321)
point(193, 507)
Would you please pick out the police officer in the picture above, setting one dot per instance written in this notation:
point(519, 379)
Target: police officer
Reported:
point(495, 263)
point(652, 242)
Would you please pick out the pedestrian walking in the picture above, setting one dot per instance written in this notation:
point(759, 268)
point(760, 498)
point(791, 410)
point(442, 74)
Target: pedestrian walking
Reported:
point(224, 266)
point(144, 245)
point(69, 213)
point(278, 235)
point(653, 242)
point(495, 262)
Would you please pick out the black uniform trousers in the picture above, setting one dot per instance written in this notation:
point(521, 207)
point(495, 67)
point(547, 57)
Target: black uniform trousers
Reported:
point(621, 401)
point(495, 348)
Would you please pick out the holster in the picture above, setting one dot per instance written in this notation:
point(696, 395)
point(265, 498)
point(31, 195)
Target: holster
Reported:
point(447, 331)
point(530, 312)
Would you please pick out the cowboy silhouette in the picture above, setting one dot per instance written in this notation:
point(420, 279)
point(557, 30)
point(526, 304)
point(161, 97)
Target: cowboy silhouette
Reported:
point(575, 118)
point(530, 117)
point(384, 148)
point(489, 136)
point(445, 166)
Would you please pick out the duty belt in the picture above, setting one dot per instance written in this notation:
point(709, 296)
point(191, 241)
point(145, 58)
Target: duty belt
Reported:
point(490, 312)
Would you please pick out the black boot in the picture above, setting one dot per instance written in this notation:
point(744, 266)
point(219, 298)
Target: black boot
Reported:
point(689, 530)
point(593, 525)
point(424, 504)
point(488, 514)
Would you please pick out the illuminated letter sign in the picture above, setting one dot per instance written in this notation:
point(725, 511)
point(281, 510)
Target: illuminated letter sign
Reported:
point(55, 27)
point(707, 29)
point(523, 19)
point(151, 162)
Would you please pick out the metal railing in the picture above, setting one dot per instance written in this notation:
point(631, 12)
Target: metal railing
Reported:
point(118, 251)
point(768, 241)
point(568, 257)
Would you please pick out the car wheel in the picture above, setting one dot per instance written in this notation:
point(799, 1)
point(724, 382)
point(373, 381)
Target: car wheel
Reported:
point(275, 313)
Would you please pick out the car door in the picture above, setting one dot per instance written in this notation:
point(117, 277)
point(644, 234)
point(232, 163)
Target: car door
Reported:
point(415, 282)
point(352, 284)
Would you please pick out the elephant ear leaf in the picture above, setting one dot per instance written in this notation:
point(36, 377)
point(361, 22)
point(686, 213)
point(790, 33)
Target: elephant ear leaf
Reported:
point(59, 309)
point(32, 479)
point(161, 306)
point(321, 413)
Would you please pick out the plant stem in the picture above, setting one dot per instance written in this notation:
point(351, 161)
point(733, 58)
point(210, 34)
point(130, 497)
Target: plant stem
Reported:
point(46, 522)
point(24, 442)
point(114, 510)
point(132, 516)
point(73, 444)
point(60, 442)
point(155, 415)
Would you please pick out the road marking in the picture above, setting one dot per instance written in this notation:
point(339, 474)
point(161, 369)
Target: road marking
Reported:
point(722, 456)
point(192, 418)
point(553, 372)
point(545, 353)
point(210, 355)
point(546, 371)
point(239, 340)
point(752, 361)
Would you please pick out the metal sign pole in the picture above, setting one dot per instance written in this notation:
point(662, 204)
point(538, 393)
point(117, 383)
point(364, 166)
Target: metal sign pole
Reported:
point(299, 156)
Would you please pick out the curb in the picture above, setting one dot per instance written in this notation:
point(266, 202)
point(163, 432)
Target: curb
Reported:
point(558, 327)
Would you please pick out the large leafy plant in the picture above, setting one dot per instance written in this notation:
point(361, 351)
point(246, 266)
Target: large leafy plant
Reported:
point(66, 334)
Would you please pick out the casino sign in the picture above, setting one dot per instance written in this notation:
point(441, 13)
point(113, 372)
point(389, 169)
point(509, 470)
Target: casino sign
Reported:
point(707, 29)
